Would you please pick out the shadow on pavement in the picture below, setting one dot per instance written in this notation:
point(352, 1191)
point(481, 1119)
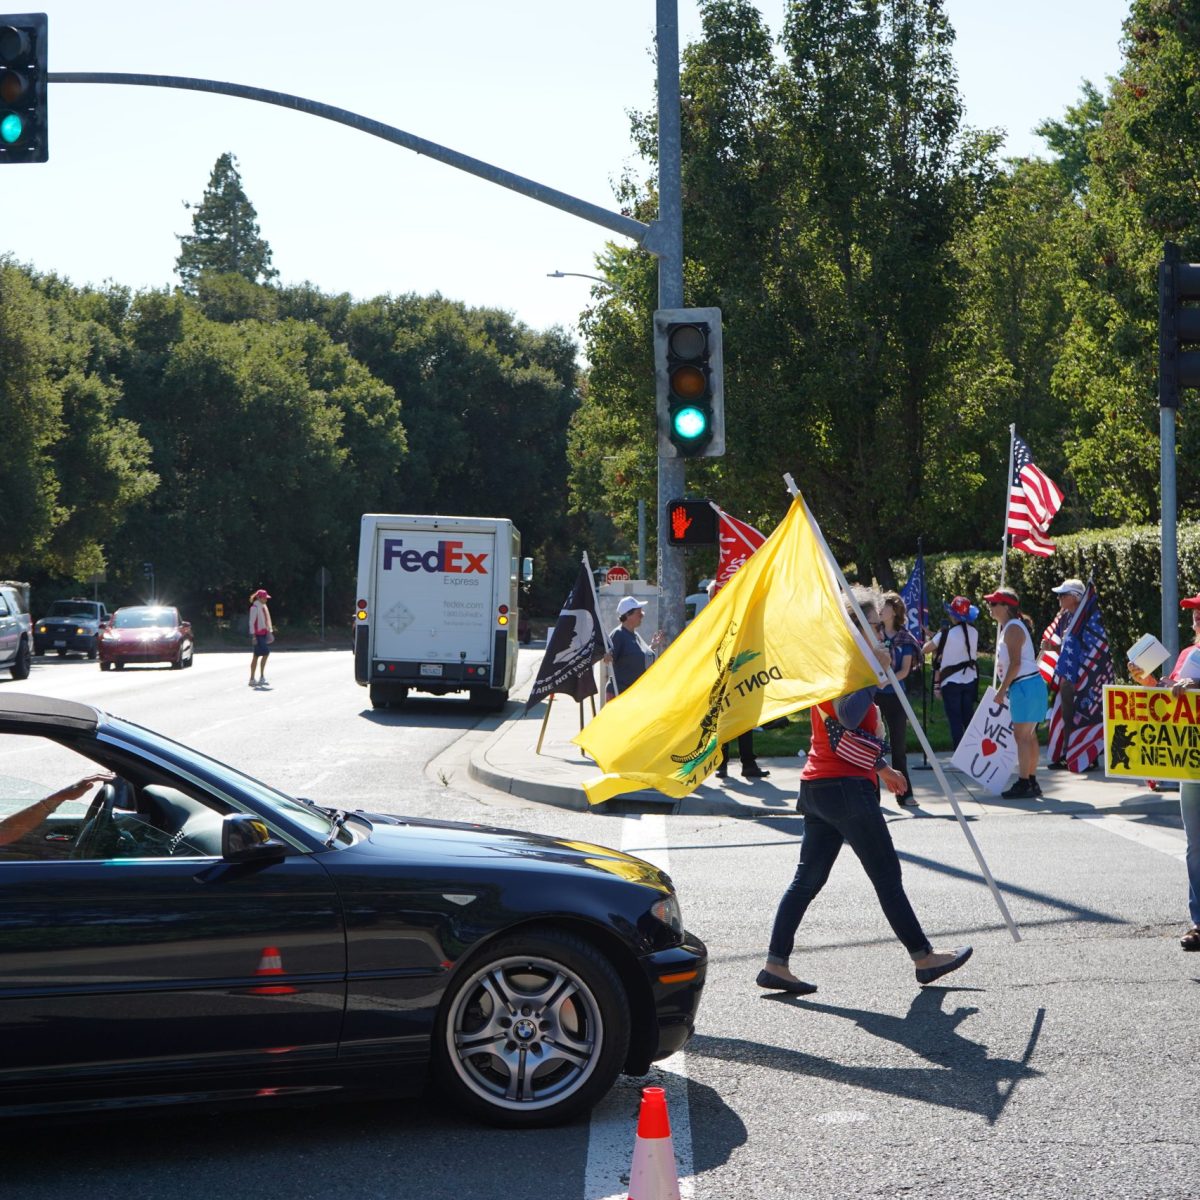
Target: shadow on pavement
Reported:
point(961, 1076)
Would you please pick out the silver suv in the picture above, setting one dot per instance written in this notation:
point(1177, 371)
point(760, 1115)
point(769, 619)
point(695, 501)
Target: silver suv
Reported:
point(16, 630)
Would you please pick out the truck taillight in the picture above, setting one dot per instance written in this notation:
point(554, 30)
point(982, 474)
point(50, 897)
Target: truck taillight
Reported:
point(502, 615)
point(362, 610)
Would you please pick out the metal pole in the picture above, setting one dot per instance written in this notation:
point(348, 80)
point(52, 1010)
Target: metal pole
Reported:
point(641, 564)
point(671, 474)
point(1170, 552)
point(1012, 444)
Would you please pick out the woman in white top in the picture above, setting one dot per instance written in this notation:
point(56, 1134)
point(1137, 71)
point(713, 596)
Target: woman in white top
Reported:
point(1021, 686)
point(262, 634)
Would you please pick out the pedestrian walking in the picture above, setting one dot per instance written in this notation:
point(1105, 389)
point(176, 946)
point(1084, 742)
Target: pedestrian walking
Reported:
point(630, 655)
point(838, 787)
point(955, 677)
point(903, 648)
point(262, 634)
point(1185, 677)
point(1021, 685)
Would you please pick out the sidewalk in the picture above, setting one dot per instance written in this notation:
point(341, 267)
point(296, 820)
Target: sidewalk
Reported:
point(507, 759)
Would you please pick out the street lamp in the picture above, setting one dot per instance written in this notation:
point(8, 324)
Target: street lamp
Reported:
point(579, 275)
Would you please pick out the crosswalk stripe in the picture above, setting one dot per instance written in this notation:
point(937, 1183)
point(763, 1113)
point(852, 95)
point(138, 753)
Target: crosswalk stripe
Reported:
point(1150, 836)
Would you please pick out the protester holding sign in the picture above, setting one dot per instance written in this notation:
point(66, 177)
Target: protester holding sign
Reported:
point(1021, 684)
point(1185, 676)
point(838, 785)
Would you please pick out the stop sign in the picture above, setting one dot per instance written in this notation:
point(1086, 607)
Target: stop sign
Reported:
point(616, 574)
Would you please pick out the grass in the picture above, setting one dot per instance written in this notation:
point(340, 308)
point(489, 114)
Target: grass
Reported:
point(783, 743)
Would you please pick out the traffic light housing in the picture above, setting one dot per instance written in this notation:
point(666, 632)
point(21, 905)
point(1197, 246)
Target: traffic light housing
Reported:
point(689, 382)
point(691, 523)
point(23, 88)
point(1178, 326)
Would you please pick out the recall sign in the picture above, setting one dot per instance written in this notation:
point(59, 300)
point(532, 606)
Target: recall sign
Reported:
point(1150, 734)
point(988, 750)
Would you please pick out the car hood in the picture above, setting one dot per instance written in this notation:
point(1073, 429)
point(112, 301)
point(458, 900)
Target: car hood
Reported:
point(433, 842)
point(70, 621)
point(146, 634)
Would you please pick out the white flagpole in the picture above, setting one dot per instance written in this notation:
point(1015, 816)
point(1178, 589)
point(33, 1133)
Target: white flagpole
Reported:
point(1012, 448)
point(912, 716)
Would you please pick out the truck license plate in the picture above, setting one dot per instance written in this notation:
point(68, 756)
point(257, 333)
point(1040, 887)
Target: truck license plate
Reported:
point(431, 668)
point(61, 643)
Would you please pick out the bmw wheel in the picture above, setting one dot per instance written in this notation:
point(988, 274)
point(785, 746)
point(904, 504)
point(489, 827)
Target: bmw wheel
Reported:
point(534, 1030)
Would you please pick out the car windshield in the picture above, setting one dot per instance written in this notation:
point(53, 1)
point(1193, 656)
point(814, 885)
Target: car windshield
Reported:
point(313, 819)
point(145, 618)
point(73, 608)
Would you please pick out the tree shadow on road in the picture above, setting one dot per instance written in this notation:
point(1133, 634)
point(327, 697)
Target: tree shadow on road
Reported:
point(961, 1075)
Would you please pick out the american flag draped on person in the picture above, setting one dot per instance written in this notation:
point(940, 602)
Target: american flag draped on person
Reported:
point(1085, 661)
point(1033, 500)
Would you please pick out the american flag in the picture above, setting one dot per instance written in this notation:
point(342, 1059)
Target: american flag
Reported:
point(1086, 661)
point(854, 745)
point(1048, 659)
point(1034, 498)
point(737, 541)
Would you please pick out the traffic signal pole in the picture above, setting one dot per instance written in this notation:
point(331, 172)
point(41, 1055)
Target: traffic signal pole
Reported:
point(662, 238)
point(671, 471)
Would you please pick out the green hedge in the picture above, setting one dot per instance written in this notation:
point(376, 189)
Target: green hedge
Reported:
point(1127, 567)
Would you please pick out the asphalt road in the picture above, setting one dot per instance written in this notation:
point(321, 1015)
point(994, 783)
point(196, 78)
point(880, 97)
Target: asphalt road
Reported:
point(1062, 1066)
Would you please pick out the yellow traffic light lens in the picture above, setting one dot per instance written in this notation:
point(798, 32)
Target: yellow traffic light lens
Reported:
point(688, 383)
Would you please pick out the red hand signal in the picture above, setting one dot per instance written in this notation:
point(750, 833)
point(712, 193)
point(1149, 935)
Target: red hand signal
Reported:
point(679, 521)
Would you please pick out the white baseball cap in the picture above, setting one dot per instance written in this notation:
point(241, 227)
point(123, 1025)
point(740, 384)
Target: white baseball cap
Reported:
point(1071, 587)
point(627, 604)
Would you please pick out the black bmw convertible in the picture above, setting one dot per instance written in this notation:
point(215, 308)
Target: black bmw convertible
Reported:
point(192, 935)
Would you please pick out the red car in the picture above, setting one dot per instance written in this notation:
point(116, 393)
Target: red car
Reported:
point(144, 634)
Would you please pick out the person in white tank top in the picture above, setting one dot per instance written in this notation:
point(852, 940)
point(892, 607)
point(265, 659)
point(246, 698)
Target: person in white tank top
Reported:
point(1021, 687)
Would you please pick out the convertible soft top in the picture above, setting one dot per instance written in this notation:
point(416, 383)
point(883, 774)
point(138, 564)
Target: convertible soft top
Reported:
point(21, 708)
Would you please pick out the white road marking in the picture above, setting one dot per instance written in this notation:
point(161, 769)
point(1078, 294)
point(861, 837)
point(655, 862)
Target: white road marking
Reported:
point(1150, 836)
point(613, 1125)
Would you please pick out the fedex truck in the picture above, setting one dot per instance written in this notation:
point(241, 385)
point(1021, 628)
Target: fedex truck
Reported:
point(437, 607)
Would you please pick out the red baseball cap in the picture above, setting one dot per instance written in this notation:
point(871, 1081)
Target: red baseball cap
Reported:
point(1004, 595)
point(1191, 601)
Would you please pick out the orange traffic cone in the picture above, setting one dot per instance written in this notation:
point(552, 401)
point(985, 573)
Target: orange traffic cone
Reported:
point(271, 963)
point(653, 1176)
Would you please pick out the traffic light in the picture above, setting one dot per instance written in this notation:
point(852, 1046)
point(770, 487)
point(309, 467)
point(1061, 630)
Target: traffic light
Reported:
point(688, 370)
point(691, 523)
point(1178, 326)
point(23, 88)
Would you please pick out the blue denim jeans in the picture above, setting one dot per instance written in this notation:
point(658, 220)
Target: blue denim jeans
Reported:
point(837, 811)
point(959, 700)
point(1189, 809)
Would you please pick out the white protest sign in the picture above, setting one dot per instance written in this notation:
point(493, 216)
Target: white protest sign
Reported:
point(988, 750)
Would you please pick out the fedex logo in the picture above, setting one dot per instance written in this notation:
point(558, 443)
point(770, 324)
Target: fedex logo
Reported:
point(449, 558)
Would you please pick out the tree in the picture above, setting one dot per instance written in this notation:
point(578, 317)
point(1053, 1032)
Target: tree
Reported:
point(1143, 178)
point(225, 236)
point(824, 190)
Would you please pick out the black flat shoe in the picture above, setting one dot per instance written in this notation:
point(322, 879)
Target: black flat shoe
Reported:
point(929, 974)
point(777, 983)
point(755, 773)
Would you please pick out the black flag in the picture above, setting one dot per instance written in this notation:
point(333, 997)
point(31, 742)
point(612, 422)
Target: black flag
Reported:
point(576, 644)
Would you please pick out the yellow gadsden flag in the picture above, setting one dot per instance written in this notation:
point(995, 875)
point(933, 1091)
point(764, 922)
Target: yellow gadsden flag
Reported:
point(774, 639)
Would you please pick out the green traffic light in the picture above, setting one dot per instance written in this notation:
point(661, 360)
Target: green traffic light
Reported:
point(11, 129)
point(689, 423)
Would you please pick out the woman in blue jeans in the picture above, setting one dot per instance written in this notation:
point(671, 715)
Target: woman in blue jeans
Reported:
point(838, 797)
point(1185, 676)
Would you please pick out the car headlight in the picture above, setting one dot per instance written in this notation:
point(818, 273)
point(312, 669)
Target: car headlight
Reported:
point(667, 912)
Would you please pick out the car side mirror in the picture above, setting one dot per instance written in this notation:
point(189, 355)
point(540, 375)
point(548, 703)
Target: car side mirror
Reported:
point(527, 570)
point(247, 838)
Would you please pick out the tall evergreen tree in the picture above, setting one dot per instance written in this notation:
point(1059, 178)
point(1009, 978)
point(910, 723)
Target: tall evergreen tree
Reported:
point(225, 236)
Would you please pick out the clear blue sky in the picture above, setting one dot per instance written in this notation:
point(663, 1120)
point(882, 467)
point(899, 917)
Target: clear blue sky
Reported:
point(539, 87)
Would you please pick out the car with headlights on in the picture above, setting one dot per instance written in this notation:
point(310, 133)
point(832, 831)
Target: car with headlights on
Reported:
point(146, 633)
point(195, 936)
point(73, 624)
